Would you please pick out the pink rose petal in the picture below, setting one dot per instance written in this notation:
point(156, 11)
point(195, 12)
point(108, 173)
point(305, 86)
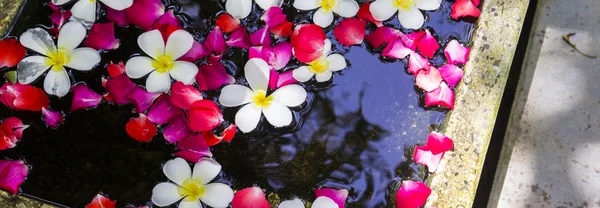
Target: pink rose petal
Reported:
point(167, 24)
point(252, 197)
point(286, 78)
point(396, 49)
point(308, 41)
point(193, 148)
point(227, 23)
point(84, 97)
point(215, 42)
point(424, 156)
point(163, 110)
point(416, 63)
point(273, 78)
point(338, 196)
point(261, 37)
point(350, 31)
point(52, 118)
point(429, 80)
point(255, 52)
point(211, 139)
point(16, 126)
point(141, 99)
point(277, 57)
point(476, 2)
point(364, 13)
point(428, 45)
point(452, 74)
point(465, 8)
point(381, 35)
point(119, 87)
point(412, 194)
point(282, 30)
point(439, 143)
point(213, 76)
point(442, 96)
point(204, 115)
point(411, 40)
point(102, 36)
point(58, 18)
point(12, 175)
point(274, 17)
point(143, 13)
point(239, 38)
point(115, 16)
point(177, 129)
point(183, 95)
point(198, 51)
point(456, 53)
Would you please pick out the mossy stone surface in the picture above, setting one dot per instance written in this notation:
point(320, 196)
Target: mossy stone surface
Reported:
point(8, 11)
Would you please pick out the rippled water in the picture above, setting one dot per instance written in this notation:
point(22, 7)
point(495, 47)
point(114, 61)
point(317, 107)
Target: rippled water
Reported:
point(358, 134)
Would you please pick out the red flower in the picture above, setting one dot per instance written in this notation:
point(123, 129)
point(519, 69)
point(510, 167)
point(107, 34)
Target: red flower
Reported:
point(11, 52)
point(101, 202)
point(141, 129)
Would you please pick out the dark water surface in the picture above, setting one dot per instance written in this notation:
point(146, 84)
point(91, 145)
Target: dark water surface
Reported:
point(358, 133)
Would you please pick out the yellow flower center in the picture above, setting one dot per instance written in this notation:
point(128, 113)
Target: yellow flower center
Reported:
point(403, 4)
point(328, 5)
point(191, 189)
point(261, 99)
point(163, 63)
point(319, 66)
point(58, 59)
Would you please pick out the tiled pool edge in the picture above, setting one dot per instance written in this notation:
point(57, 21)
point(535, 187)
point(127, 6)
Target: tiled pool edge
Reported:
point(478, 98)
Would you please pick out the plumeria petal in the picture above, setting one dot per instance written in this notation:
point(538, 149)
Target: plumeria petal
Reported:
point(456, 53)
point(213, 76)
point(178, 44)
point(31, 68)
point(464, 8)
point(176, 129)
point(324, 202)
point(215, 42)
point(412, 194)
point(57, 83)
point(338, 196)
point(84, 97)
point(382, 35)
point(71, 35)
point(165, 194)
point(278, 114)
point(416, 63)
point(428, 45)
point(163, 111)
point(227, 23)
point(337, 62)
point(206, 170)
point(323, 18)
point(84, 59)
point(303, 74)
point(261, 37)
point(29, 98)
point(12, 175)
point(141, 129)
point(429, 80)
point(118, 4)
point(364, 13)
point(442, 96)
point(158, 82)
point(39, 40)
point(324, 76)
point(452, 74)
point(350, 31)
point(266, 4)
point(257, 74)
point(239, 38)
point(383, 10)
point(217, 195)
point(295, 203)
point(307, 4)
point(84, 11)
point(143, 13)
point(193, 148)
point(12, 52)
point(235, 95)
point(396, 49)
point(189, 204)
point(290, 96)
point(439, 143)
point(197, 51)
point(52, 118)
point(424, 156)
point(250, 197)
point(152, 43)
point(141, 99)
point(204, 115)
point(239, 9)
point(247, 118)
point(139, 66)
point(102, 36)
point(428, 5)
point(177, 170)
point(411, 19)
point(183, 95)
point(184, 71)
point(101, 202)
point(346, 8)
point(119, 87)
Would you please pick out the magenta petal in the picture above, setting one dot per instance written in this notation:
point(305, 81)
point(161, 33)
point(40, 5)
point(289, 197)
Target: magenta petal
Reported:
point(456, 53)
point(396, 49)
point(215, 42)
point(183, 95)
point(286, 78)
point(204, 115)
point(163, 110)
point(278, 56)
point(52, 118)
point(84, 97)
point(381, 35)
point(193, 148)
point(412, 194)
point(338, 196)
point(429, 80)
point(141, 99)
point(439, 143)
point(12, 175)
point(58, 18)
point(442, 96)
point(424, 156)
point(168, 19)
point(428, 45)
point(416, 63)
point(116, 16)
point(274, 16)
point(261, 37)
point(177, 129)
point(102, 36)
point(118, 88)
point(255, 52)
point(411, 40)
point(452, 74)
point(252, 197)
point(239, 38)
point(143, 13)
point(198, 51)
point(350, 31)
point(213, 76)
point(273, 78)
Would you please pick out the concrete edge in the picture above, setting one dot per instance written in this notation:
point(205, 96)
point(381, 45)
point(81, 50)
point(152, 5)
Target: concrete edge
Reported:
point(478, 98)
point(8, 12)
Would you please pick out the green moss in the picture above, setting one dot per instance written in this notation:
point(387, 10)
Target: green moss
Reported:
point(8, 12)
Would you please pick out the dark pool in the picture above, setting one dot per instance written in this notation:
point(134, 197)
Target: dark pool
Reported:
point(358, 134)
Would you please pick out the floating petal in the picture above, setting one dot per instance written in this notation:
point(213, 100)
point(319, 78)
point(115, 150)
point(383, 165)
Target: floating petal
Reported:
point(428, 45)
point(101, 202)
point(143, 13)
point(278, 56)
point(239, 38)
point(26, 97)
point(141, 99)
point(197, 51)
point(429, 80)
point(465, 8)
point(12, 52)
point(239, 9)
point(84, 97)
point(102, 36)
point(338, 196)
point(309, 42)
point(141, 129)
point(227, 23)
point(396, 49)
point(163, 111)
point(412, 194)
point(424, 156)
point(193, 148)
point(183, 95)
point(286, 78)
point(456, 53)
point(12, 175)
point(213, 76)
point(58, 18)
point(261, 37)
point(215, 42)
point(416, 63)
point(350, 31)
point(118, 17)
point(119, 87)
point(381, 35)
point(282, 30)
point(211, 139)
point(452, 74)
point(411, 40)
point(15, 125)
point(442, 96)
point(177, 129)
point(204, 115)
point(364, 13)
point(115, 70)
point(252, 197)
point(439, 143)
point(274, 17)
point(52, 118)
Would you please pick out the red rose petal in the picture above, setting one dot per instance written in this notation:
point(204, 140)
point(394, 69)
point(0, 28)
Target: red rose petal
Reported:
point(9, 92)
point(252, 197)
point(101, 202)
point(308, 41)
point(282, 30)
point(239, 38)
point(204, 115)
point(338, 196)
point(8, 140)
point(31, 99)
point(212, 139)
point(429, 80)
point(102, 36)
point(452, 74)
point(215, 42)
point(412, 194)
point(416, 63)
point(350, 31)
point(428, 45)
point(143, 13)
point(364, 13)
point(12, 52)
point(163, 111)
point(52, 118)
point(167, 24)
point(439, 143)
point(193, 148)
point(227, 23)
point(396, 49)
point(465, 8)
point(476, 2)
point(213, 76)
point(141, 99)
point(198, 51)
point(177, 129)
point(442, 96)
point(115, 70)
point(261, 37)
point(456, 53)
point(12, 175)
point(381, 35)
point(15, 125)
point(141, 129)
point(119, 87)
point(84, 97)
point(183, 95)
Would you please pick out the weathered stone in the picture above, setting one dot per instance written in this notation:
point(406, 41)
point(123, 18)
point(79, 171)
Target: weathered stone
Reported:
point(7, 200)
point(8, 12)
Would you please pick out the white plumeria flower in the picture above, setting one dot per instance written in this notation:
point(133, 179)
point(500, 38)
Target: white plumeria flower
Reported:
point(408, 11)
point(240, 9)
point(324, 16)
point(321, 202)
point(257, 102)
point(55, 58)
point(192, 186)
point(85, 10)
point(322, 68)
point(162, 63)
